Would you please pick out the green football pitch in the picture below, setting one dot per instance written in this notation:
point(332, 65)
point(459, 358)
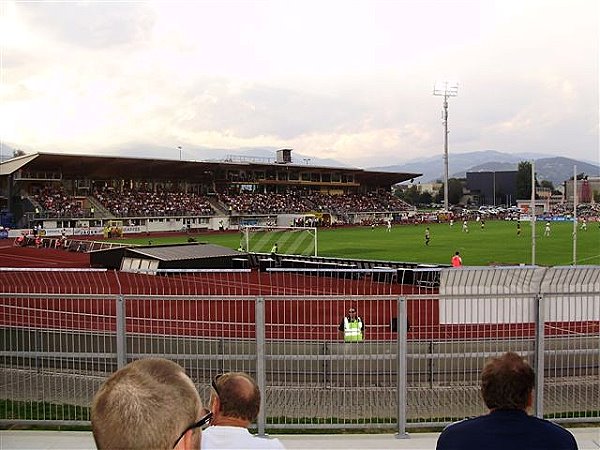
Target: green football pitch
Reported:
point(497, 243)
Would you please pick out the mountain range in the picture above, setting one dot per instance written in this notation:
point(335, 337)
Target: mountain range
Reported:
point(550, 168)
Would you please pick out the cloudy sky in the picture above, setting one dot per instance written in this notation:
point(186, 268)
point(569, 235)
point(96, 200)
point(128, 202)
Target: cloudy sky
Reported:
point(350, 80)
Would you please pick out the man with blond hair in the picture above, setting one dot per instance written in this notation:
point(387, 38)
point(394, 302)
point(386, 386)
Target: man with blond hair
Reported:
point(148, 404)
point(507, 389)
point(235, 403)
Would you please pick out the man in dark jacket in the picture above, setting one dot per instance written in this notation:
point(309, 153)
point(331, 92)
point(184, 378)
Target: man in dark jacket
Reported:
point(507, 389)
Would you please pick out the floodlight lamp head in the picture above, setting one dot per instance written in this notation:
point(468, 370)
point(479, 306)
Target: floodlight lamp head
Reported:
point(446, 88)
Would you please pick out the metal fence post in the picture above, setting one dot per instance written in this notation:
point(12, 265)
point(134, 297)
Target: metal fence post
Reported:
point(401, 369)
point(260, 362)
point(121, 341)
point(326, 363)
point(539, 357)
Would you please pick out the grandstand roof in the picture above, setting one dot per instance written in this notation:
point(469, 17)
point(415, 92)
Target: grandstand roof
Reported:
point(105, 167)
point(12, 165)
point(108, 167)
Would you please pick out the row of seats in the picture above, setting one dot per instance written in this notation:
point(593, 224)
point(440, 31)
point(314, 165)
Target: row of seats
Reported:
point(297, 202)
point(247, 203)
point(132, 203)
point(56, 202)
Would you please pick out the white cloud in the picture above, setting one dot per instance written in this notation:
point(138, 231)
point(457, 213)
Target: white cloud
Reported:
point(350, 80)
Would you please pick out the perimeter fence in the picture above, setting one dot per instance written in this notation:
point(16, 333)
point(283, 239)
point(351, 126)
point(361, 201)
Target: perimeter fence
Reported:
point(64, 331)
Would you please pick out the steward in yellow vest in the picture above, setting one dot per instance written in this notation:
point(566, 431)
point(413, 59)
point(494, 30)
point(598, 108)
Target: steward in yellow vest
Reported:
point(352, 327)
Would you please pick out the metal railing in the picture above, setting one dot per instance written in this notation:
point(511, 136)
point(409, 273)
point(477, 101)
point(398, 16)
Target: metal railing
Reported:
point(64, 331)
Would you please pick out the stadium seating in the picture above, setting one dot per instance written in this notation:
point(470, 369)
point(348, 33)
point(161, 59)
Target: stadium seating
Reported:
point(133, 203)
point(55, 202)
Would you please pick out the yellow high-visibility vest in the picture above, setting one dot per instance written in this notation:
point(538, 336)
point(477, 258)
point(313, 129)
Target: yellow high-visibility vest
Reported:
point(353, 330)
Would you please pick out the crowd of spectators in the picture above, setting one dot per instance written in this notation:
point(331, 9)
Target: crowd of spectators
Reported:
point(587, 210)
point(133, 203)
point(253, 203)
point(352, 203)
point(55, 202)
point(141, 203)
point(298, 202)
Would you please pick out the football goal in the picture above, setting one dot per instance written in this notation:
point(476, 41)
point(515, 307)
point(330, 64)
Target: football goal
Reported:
point(283, 240)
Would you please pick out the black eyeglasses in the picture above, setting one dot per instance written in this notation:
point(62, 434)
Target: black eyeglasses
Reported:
point(199, 424)
point(352, 311)
point(214, 383)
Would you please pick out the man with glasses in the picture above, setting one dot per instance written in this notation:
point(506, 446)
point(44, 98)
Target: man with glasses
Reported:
point(148, 404)
point(352, 327)
point(235, 403)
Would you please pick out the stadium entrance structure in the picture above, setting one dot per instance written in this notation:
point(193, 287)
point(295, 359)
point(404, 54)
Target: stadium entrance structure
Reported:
point(78, 191)
point(180, 257)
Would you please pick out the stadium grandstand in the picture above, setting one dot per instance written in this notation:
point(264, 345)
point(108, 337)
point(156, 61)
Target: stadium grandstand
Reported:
point(90, 193)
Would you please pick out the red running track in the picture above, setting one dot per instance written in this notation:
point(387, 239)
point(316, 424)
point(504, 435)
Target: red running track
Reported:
point(220, 311)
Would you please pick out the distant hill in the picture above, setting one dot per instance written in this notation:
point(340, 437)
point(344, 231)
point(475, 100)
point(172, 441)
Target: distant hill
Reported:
point(198, 154)
point(271, 153)
point(554, 169)
point(6, 152)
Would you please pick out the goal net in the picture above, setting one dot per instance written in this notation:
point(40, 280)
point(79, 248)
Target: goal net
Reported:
point(283, 240)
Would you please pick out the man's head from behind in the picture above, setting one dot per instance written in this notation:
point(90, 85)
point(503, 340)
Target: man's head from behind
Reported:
point(237, 397)
point(507, 382)
point(146, 404)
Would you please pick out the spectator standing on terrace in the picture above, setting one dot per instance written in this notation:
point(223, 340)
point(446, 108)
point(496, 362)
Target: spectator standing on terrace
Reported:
point(352, 327)
point(456, 260)
point(148, 404)
point(235, 404)
point(507, 389)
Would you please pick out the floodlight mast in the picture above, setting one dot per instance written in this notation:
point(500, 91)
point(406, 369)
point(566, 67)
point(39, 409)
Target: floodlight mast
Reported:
point(445, 89)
